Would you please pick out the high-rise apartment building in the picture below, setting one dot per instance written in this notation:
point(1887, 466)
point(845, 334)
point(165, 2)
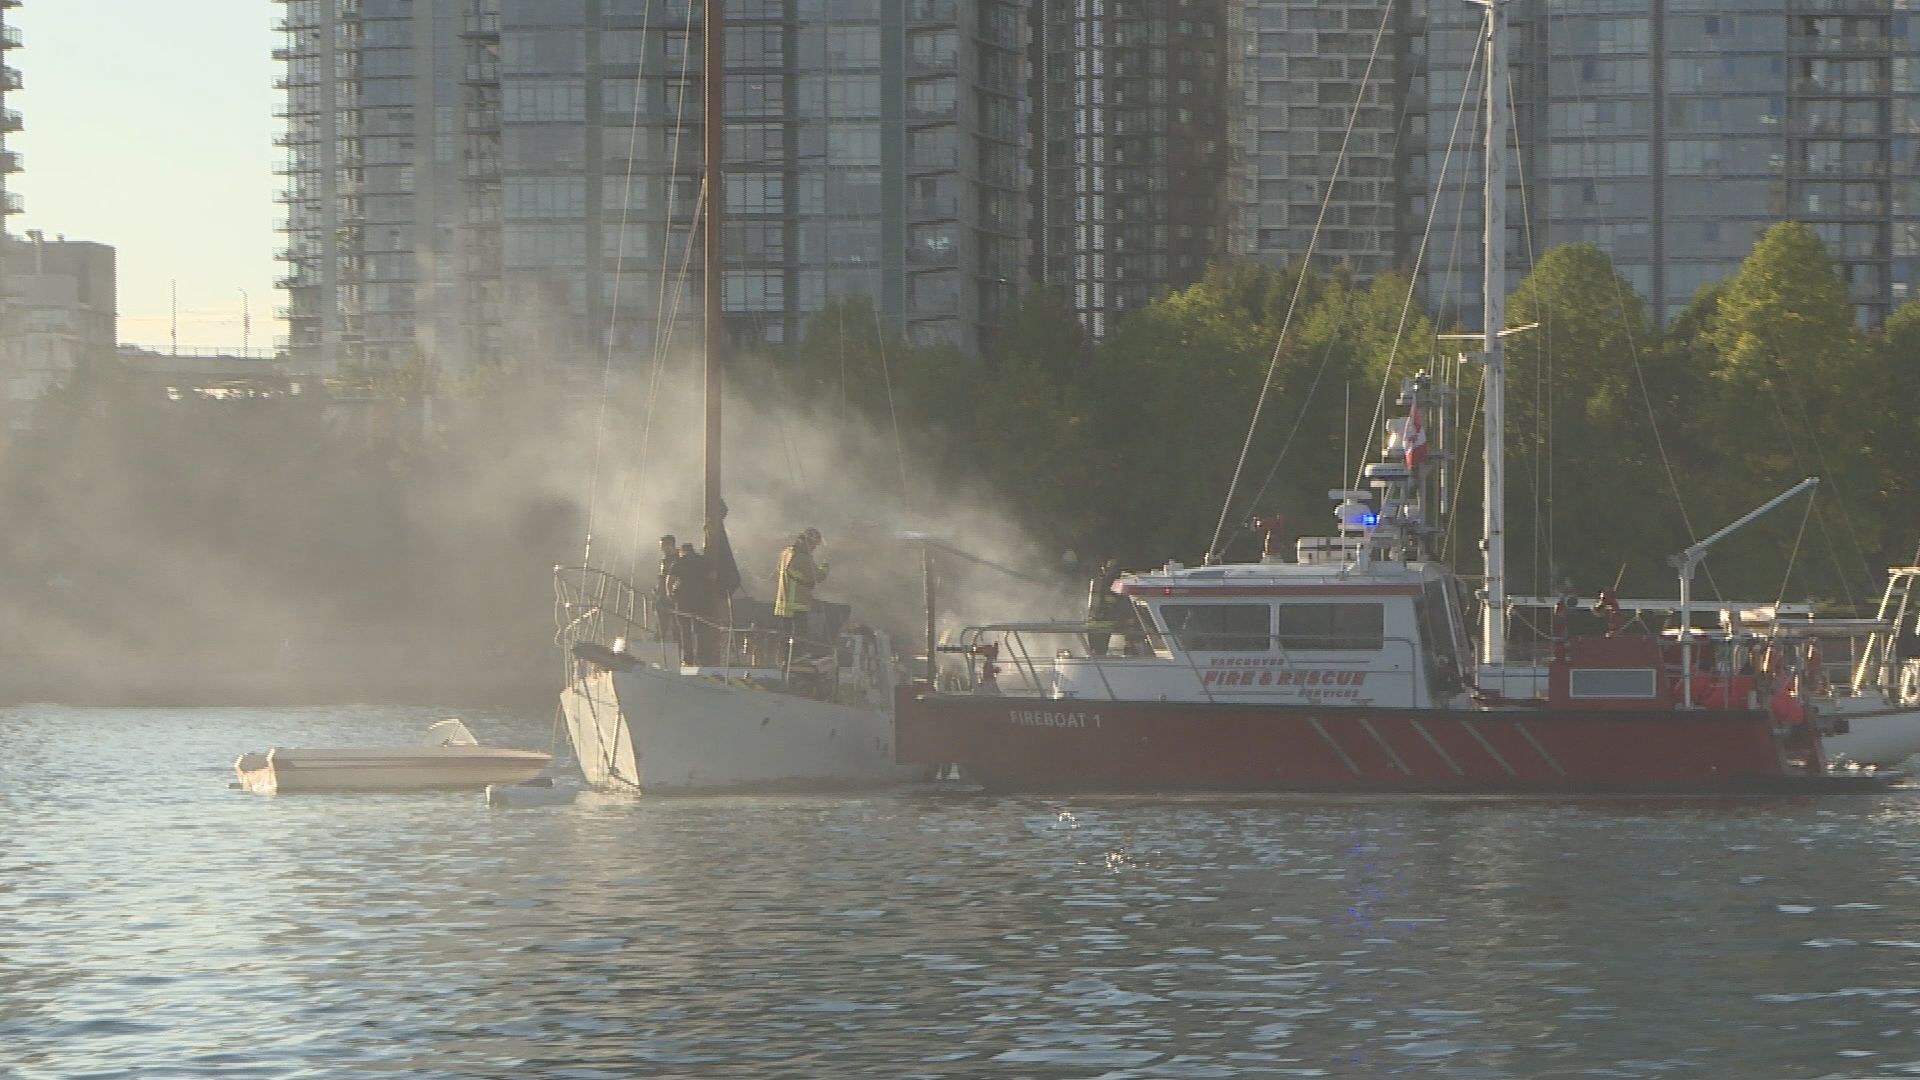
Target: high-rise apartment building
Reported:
point(502, 179)
point(1130, 149)
point(1301, 66)
point(375, 210)
point(1671, 135)
point(511, 179)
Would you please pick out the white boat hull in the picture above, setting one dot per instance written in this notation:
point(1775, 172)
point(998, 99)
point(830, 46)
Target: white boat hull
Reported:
point(386, 768)
point(1877, 733)
point(663, 732)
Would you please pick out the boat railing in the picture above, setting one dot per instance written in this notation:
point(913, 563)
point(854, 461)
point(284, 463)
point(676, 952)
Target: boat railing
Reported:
point(595, 605)
point(807, 666)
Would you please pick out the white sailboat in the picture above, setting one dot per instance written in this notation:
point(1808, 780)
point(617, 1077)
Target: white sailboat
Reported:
point(1873, 713)
point(768, 716)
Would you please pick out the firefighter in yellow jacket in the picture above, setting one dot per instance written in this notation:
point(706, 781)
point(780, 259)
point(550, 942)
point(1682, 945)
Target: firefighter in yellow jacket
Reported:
point(798, 575)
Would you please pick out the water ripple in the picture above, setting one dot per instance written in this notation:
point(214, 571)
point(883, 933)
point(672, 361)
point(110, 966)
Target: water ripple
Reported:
point(154, 923)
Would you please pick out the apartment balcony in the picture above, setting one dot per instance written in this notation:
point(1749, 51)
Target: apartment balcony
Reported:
point(933, 12)
point(1865, 7)
point(10, 203)
point(932, 257)
point(1829, 127)
point(1839, 170)
point(10, 38)
point(932, 112)
point(1003, 221)
point(1001, 176)
point(484, 73)
point(11, 161)
point(1828, 88)
point(922, 64)
point(935, 159)
point(10, 79)
point(947, 209)
point(10, 120)
point(1864, 44)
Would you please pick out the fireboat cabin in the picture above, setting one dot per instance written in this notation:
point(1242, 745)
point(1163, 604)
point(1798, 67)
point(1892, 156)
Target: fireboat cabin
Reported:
point(1302, 634)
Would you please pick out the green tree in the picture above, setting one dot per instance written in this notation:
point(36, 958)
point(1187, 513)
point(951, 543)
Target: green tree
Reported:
point(1588, 496)
point(1788, 385)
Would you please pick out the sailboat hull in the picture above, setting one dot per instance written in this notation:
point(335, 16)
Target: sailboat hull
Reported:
point(1051, 745)
point(1876, 733)
point(660, 732)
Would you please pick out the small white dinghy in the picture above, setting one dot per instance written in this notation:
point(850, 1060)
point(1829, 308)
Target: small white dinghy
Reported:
point(450, 757)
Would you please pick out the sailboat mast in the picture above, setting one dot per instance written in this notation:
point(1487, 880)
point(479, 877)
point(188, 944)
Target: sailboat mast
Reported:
point(1493, 612)
point(713, 332)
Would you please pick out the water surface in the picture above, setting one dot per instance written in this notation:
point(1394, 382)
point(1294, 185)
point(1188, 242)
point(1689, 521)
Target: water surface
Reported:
point(154, 923)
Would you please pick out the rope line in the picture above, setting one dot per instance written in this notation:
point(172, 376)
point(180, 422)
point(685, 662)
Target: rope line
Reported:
point(1313, 240)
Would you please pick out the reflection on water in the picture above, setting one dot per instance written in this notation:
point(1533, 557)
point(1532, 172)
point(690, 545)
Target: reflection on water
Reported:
point(154, 923)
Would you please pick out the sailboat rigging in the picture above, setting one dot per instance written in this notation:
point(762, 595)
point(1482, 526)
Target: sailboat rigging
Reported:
point(748, 716)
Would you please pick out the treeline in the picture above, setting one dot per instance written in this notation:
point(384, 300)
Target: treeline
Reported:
point(1625, 443)
point(396, 546)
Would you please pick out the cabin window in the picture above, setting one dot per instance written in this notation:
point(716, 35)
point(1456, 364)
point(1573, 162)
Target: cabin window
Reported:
point(1219, 627)
point(1611, 683)
point(1317, 627)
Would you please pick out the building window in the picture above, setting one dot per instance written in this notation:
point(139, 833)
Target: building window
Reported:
point(537, 51)
point(756, 95)
point(753, 290)
point(758, 47)
point(543, 99)
point(545, 196)
point(755, 193)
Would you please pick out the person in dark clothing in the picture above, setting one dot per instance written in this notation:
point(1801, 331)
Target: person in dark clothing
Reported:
point(1105, 608)
point(666, 625)
point(690, 584)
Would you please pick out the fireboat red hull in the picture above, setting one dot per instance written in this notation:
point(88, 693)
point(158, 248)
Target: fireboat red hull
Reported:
point(1019, 744)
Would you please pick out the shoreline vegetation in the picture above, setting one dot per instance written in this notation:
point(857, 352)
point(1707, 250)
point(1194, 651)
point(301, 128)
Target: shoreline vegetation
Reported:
point(387, 536)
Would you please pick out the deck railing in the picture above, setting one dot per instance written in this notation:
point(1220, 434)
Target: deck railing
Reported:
point(601, 608)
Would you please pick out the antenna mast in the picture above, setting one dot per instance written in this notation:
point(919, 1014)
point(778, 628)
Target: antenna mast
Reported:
point(714, 332)
point(1493, 609)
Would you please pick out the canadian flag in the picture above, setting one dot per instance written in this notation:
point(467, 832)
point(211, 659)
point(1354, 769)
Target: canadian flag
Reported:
point(1416, 438)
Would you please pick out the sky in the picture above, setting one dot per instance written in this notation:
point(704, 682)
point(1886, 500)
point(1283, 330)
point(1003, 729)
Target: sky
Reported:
point(149, 127)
